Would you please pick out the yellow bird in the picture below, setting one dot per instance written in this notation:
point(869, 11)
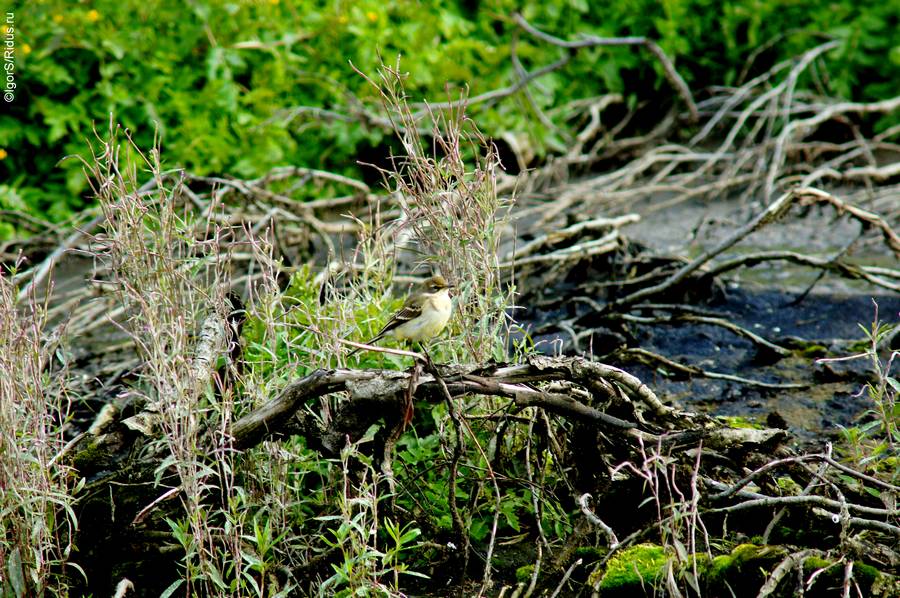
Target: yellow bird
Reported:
point(423, 316)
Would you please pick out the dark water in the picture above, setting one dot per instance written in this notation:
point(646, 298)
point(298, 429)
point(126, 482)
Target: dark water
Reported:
point(818, 326)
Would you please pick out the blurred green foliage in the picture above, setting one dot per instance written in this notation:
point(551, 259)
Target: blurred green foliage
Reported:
point(222, 79)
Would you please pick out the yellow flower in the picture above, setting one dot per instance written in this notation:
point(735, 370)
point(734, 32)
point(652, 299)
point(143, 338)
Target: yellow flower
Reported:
point(3, 154)
point(274, 1)
point(342, 19)
point(57, 18)
point(26, 49)
point(93, 16)
point(372, 16)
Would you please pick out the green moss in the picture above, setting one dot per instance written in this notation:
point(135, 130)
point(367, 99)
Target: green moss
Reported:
point(746, 563)
point(866, 574)
point(813, 350)
point(788, 486)
point(832, 574)
point(702, 561)
point(719, 566)
point(524, 573)
point(634, 568)
point(860, 346)
point(812, 563)
point(807, 349)
point(736, 421)
point(885, 585)
point(92, 457)
point(635, 571)
point(870, 580)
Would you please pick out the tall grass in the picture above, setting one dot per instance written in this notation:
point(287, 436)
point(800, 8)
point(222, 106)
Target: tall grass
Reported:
point(167, 271)
point(452, 217)
point(37, 522)
point(446, 218)
point(874, 445)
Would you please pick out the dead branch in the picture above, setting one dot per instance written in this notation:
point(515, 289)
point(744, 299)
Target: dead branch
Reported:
point(733, 489)
point(586, 509)
point(588, 41)
point(496, 94)
point(692, 370)
point(370, 392)
point(876, 276)
point(571, 232)
point(772, 213)
point(70, 242)
point(712, 321)
point(824, 113)
point(790, 562)
point(812, 195)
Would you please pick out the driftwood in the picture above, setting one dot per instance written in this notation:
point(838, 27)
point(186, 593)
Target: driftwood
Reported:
point(373, 391)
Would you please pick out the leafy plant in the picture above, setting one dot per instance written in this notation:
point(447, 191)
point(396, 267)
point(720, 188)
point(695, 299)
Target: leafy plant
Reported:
point(37, 488)
point(240, 88)
point(355, 534)
point(874, 446)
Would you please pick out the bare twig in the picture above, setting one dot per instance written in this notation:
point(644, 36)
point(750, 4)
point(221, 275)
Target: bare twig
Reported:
point(41, 272)
point(773, 212)
point(697, 371)
point(586, 509)
point(588, 41)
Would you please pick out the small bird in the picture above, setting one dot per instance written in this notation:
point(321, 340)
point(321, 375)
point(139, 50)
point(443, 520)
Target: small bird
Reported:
point(423, 316)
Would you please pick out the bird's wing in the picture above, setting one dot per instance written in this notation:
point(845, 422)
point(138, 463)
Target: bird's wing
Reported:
point(411, 310)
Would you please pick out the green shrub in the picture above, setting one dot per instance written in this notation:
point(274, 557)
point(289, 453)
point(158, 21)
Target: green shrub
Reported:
point(223, 81)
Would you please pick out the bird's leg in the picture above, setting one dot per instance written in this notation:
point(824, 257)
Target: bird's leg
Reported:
point(410, 393)
point(414, 381)
point(428, 363)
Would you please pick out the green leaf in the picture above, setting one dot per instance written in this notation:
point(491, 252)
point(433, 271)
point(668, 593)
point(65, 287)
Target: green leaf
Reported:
point(893, 383)
point(171, 589)
point(16, 575)
point(872, 491)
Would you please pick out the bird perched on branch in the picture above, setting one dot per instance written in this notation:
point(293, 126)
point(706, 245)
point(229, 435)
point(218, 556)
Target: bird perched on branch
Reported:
point(423, 316)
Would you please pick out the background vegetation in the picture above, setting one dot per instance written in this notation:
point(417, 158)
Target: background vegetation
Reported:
point(240, 87)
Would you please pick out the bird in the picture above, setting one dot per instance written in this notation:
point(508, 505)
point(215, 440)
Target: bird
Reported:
point(423, 316)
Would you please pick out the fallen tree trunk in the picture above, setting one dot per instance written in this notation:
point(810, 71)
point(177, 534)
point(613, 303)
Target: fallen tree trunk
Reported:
point(586, 385)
